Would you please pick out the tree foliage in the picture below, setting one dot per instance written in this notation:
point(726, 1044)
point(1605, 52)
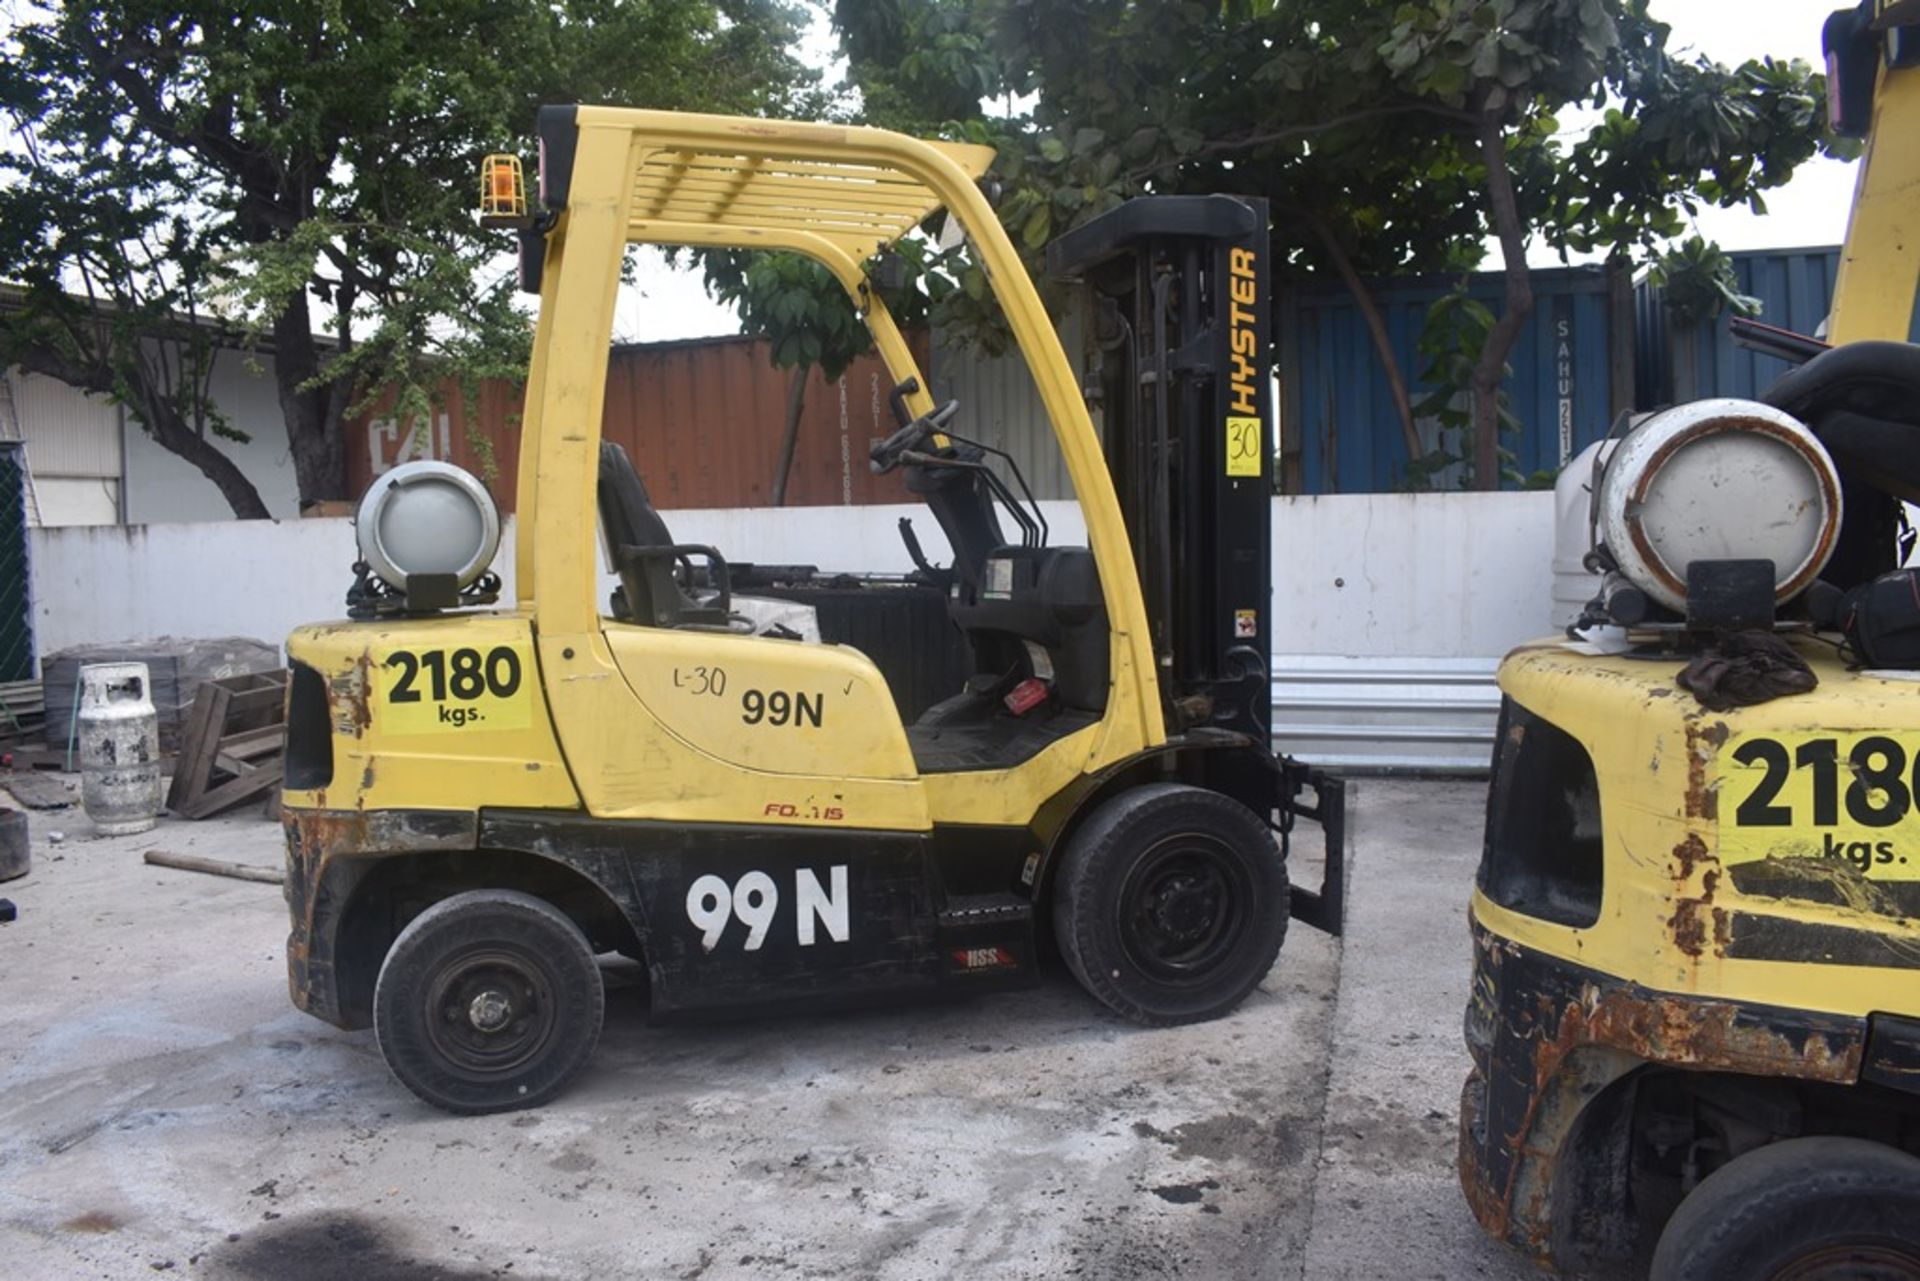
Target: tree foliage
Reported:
point(1700, 281)
point(1390, 137)
point(302, 173)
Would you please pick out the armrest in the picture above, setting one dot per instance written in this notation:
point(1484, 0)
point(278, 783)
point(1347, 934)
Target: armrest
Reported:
point(716, 563)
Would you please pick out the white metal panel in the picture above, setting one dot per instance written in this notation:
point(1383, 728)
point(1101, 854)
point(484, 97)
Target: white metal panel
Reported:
point(1427, 714)
point(1380, 575)
point(1367, 581)
point(77, 500)
point(68, 432)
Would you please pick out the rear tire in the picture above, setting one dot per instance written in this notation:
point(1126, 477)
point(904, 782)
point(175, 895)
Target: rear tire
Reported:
point(488, 1001)
point(1171, 904)
point(1815, 1209)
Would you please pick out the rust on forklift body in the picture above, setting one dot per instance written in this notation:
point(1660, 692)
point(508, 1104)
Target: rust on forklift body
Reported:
point(1578, 1033)
point(1702, 798)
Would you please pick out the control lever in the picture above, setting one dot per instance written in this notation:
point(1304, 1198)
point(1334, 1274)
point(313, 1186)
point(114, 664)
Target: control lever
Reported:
point(885, 456)
point(933, 575)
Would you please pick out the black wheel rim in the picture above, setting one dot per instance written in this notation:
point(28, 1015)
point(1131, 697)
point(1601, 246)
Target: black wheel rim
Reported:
point(1855, 1261)
point(489, 1012)
point(1184, 907)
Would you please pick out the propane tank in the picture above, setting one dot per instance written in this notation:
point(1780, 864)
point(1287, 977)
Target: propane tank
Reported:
point(1717, 480)
point(1573, 583)
point(119, 748)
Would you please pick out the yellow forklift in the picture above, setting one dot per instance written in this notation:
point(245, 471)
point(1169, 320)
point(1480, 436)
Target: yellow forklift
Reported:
point(480, 801)
point(1695, 1012)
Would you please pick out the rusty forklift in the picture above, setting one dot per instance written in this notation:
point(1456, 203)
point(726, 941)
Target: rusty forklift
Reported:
point(1695, 1012)
point(482, 800)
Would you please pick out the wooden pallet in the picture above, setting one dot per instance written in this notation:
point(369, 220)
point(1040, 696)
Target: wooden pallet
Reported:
point(233, 747)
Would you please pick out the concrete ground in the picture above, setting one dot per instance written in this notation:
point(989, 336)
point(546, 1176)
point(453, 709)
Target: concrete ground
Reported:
point(163, 1108)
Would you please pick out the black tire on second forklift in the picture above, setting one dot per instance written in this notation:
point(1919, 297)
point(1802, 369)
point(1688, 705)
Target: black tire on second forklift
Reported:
point(488, 1001)
point(1811, 1209)
point(1171, 903)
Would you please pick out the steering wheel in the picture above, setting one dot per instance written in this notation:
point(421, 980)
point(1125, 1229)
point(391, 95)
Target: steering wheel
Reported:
point(885, 456)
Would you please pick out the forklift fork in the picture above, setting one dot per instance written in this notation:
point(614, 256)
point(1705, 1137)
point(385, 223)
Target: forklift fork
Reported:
point(1325, 909)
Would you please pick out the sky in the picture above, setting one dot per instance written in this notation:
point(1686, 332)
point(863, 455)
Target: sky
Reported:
point(1810, 210)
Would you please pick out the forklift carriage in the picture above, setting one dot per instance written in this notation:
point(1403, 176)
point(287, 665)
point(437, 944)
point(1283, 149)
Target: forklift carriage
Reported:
point(480, 801)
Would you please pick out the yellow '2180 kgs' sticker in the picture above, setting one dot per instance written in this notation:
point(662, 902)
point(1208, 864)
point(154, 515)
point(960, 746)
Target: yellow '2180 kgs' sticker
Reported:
point(1825, 794)
point(467, 690)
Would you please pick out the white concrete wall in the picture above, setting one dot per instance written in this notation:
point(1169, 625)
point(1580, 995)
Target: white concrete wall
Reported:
point(1371, 576)
point(106, 583)
point(1404, 575)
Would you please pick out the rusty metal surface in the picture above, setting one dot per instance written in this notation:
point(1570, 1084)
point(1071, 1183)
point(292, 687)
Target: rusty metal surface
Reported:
point(702, 421)
point(328, 853)
point(1548, 1037)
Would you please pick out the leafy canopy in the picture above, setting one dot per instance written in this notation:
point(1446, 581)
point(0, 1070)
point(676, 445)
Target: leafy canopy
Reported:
point(1390, 138)
point(305, 171)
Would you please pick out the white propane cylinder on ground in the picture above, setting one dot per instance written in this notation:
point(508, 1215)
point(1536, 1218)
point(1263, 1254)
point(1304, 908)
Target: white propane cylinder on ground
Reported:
point(119, 748)
point(1573, 583)
point(1719, 479)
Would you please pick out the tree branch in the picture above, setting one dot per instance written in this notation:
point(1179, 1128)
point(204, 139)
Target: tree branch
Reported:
point(1490, 129)
point(1221, 146)
point(1376, 328)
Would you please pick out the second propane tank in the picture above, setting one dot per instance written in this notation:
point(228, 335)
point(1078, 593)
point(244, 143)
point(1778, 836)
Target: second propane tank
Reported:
point(1717, 479)
point(119, 748)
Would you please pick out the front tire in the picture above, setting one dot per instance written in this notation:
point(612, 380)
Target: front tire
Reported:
point(1171, 904)
point(488, 1001)
point(1813, 1209)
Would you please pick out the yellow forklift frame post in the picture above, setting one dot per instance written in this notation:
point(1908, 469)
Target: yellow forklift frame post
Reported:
point(1877, 293)
point(838, 194)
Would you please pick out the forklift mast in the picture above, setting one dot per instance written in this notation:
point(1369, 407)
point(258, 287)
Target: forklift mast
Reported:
point(1177, 346)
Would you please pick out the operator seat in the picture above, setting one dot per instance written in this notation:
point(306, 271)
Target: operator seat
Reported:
point(645, 555)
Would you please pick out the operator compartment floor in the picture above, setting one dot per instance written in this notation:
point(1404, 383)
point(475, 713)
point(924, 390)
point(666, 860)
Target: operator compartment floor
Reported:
point(973, 733)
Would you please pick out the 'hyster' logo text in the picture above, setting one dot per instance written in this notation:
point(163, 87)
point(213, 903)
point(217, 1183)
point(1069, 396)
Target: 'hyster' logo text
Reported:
point(1240, 318)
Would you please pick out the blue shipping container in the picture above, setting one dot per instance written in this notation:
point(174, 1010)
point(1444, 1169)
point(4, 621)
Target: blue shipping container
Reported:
point(1339, 432)
point(1677, 363)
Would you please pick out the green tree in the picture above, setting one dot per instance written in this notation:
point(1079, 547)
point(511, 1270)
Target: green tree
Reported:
point(302, 173)
point(1389, 137)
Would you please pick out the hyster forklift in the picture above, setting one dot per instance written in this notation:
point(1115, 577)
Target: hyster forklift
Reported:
point(1695, 1012)
point(480, 802)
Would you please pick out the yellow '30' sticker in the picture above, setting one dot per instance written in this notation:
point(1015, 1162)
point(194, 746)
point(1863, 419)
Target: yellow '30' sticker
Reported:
point(1243, 446)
